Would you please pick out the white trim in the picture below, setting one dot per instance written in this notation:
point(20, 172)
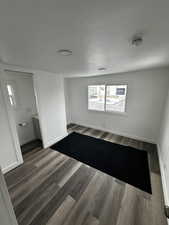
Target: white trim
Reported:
point(54, 140)
point(109, 112)
point(35, 87)
point(163, 178)
point(6, 201)
point(117, 133)
point(11, 167)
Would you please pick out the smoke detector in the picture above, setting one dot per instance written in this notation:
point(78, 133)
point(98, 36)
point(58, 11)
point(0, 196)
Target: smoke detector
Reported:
point(137, 40)
point(65, 52)
point(102, 68)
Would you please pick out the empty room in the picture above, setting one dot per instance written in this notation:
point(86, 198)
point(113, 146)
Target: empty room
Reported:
point(84, 112)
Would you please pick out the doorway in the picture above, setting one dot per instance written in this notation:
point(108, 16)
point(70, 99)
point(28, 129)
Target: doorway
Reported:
point(22, 103)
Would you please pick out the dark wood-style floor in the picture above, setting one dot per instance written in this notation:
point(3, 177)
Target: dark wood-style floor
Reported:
point(31, 145)
point(53, 189)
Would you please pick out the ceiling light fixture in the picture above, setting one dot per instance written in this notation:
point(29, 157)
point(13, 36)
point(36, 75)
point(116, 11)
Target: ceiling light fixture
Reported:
point(102, 68)
point(65, 52)
point(137, 40)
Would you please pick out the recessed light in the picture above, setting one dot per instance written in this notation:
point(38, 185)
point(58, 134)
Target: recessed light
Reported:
point(102, 68)
point(65, 52)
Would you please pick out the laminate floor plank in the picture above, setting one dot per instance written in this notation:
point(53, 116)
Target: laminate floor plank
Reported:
point(61, 214)
point(19, 193)
point(17, 176)
point(133, 143)
point(107, 137)
point(128, 212)
point(85, 130)
point(31, 212)
point(90, 220)
point(50, 188)
point(88, 132)
point(102, 195)
point(118, 139)
point(112, 205)
point(39, 172)
point(83, 206)
point(125, 141)
point(37, 191)
point(70, 125)
point(47, 158)
point(144, 211)
point(104, 135)
point(36, 156)
point(96, 133)
point(69, 174)
point(84, 178)
point(32, 152)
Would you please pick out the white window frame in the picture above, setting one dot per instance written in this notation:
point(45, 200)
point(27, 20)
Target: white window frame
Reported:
point(109, 111)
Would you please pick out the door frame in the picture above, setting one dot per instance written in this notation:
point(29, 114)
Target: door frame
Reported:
point(12, 124)
point(10, 113)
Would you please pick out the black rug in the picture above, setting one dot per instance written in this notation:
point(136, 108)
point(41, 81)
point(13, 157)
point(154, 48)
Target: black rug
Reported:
point(122, 162)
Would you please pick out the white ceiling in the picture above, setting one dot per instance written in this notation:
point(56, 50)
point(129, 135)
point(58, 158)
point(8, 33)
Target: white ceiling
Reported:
point(97, 31)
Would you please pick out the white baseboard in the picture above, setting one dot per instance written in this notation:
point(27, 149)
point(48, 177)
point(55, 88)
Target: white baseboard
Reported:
point(117, 133)
point(163, 178)
point(54, 140)
point(11, 167)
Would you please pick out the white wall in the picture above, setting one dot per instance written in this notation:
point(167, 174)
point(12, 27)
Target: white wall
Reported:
point(147, 91)
point(163, 151)
point(67, 102)
point(49, 90)
point(22, 84)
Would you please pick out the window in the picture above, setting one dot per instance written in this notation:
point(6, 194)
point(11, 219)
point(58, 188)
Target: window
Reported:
point(11, 95)
point(96, 97)
point(116, 98)
point(109, 98)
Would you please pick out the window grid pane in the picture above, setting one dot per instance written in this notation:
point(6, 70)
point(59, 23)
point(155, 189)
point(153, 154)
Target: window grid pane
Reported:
point(11, 95)
point(116, 98)
point(11, 100)
point(9, 88)
point(96, 97)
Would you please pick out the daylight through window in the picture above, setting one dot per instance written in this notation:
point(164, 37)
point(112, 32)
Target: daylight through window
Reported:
point(11, 94)
point(96, 97)
point(111, 98)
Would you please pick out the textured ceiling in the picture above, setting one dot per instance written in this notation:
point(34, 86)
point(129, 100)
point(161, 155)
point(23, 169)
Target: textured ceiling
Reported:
point(97, 31)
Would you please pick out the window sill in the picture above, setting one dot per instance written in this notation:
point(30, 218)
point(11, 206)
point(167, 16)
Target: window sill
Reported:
point(109, 112)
